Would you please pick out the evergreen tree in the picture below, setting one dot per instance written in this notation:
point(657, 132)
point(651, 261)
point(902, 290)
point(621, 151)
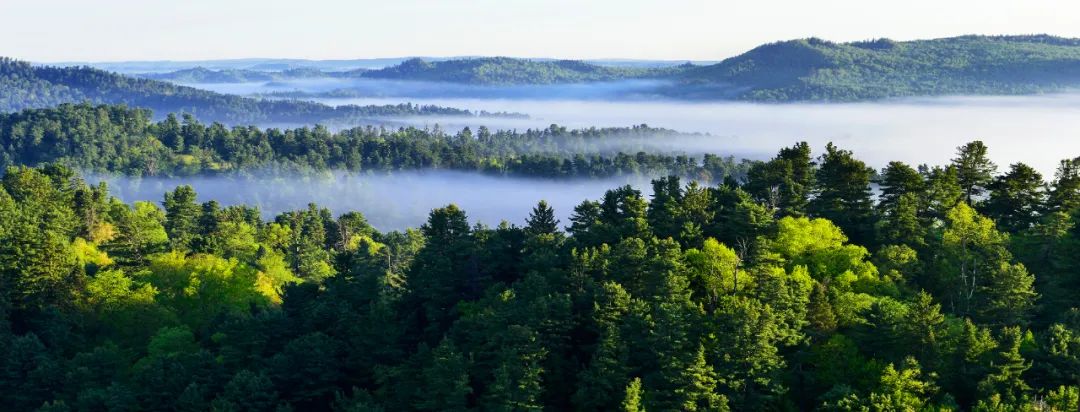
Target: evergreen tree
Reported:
point(182, 216)
point(974, 170)
point(1017, 198)
point(632, 401)
point(1005, 379)
point(842, 194)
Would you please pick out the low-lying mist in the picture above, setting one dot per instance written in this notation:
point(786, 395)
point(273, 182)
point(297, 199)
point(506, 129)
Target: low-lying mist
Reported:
point(1038, 130)
point(389, 201)
point(387, 88)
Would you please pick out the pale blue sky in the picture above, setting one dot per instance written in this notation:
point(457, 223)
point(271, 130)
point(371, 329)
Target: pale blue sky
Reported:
point(101, 30)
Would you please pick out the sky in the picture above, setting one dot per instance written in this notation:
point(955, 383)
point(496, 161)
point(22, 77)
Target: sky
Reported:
point(117, 30)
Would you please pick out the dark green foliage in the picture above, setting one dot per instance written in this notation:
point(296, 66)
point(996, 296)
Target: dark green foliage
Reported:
point(23, 86)
point(699, 298)
point(117, 139)
point(815, 69)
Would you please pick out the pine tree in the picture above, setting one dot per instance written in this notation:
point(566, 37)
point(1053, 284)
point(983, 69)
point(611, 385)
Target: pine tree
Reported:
point(819, 312)
point(974, 170)
point(445, 380)
point(1005, 380)
point(182, 217)
point(842, 194)
point(542, 220)
point(1017, 198)
point(1064, 193)
point(632, 401)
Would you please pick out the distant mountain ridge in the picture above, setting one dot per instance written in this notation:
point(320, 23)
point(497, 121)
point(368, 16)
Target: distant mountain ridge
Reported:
point(24, 86)
point(788, 71)
point(819, 70)
point(511, 71)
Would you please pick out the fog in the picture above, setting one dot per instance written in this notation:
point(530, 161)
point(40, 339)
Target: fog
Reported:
point(1038, 130)
point(389, 201)
point(398, 89)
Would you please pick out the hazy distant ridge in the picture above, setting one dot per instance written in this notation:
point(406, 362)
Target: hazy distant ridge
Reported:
point(796, 70)
point(23, 86)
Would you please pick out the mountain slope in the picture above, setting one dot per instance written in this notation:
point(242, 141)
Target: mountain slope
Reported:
point(814, 69)
point(511, 71)
point(23, 86)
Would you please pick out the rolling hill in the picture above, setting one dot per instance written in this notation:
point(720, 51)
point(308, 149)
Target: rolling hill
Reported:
point(819, 70)
point(806, 70)
point(511, 71)
point(23, 86)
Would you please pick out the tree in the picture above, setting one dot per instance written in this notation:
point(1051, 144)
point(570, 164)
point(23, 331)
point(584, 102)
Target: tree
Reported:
point(1005, 380)
point(1064, 193)
point(899, 179)
point(665, 213)
point(632, 401)
point(975, 273)
point(143, 230)
point(542, 220)
point(1017, 198)
point(182, 217)
point(445, 380)
point(842, 194)
point(784, 183)
point(974, 170)
point(902, 390)
point(247, 392)
point(444, 271)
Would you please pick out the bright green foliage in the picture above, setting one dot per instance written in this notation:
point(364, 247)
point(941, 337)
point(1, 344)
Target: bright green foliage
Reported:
point(905, 389)
point(974, 271)
point(142, 230)
point(714, 272)
point(1005, 379)
point(632, 401)
point(200, 287)
point(696, 300)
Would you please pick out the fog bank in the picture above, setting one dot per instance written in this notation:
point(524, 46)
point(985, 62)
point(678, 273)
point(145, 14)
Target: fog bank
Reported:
point(389, 201)
point(1038, 130)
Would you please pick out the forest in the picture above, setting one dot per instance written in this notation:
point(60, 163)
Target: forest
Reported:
point(793, 286)
point(798, 70)
point(25, 86)
point(118, 139)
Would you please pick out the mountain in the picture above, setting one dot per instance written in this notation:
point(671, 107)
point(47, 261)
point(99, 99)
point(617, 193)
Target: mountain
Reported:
point(204, 75)
point(806, 70)
point(512, 71)
point(24, 86)
point(819, 70)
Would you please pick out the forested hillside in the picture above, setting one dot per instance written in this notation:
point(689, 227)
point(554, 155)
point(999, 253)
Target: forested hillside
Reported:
point(24, 86)
point(808, 70)
point(814, 69)
point(203, 75)
point(117, 139)
point(510, 71)
point(793, 289)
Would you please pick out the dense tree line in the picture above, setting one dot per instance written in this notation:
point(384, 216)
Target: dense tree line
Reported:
point(511, 71)
point(792, 289)
point(798, 70)
point(118, 139)
point(24, 86)
point(819, 70)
